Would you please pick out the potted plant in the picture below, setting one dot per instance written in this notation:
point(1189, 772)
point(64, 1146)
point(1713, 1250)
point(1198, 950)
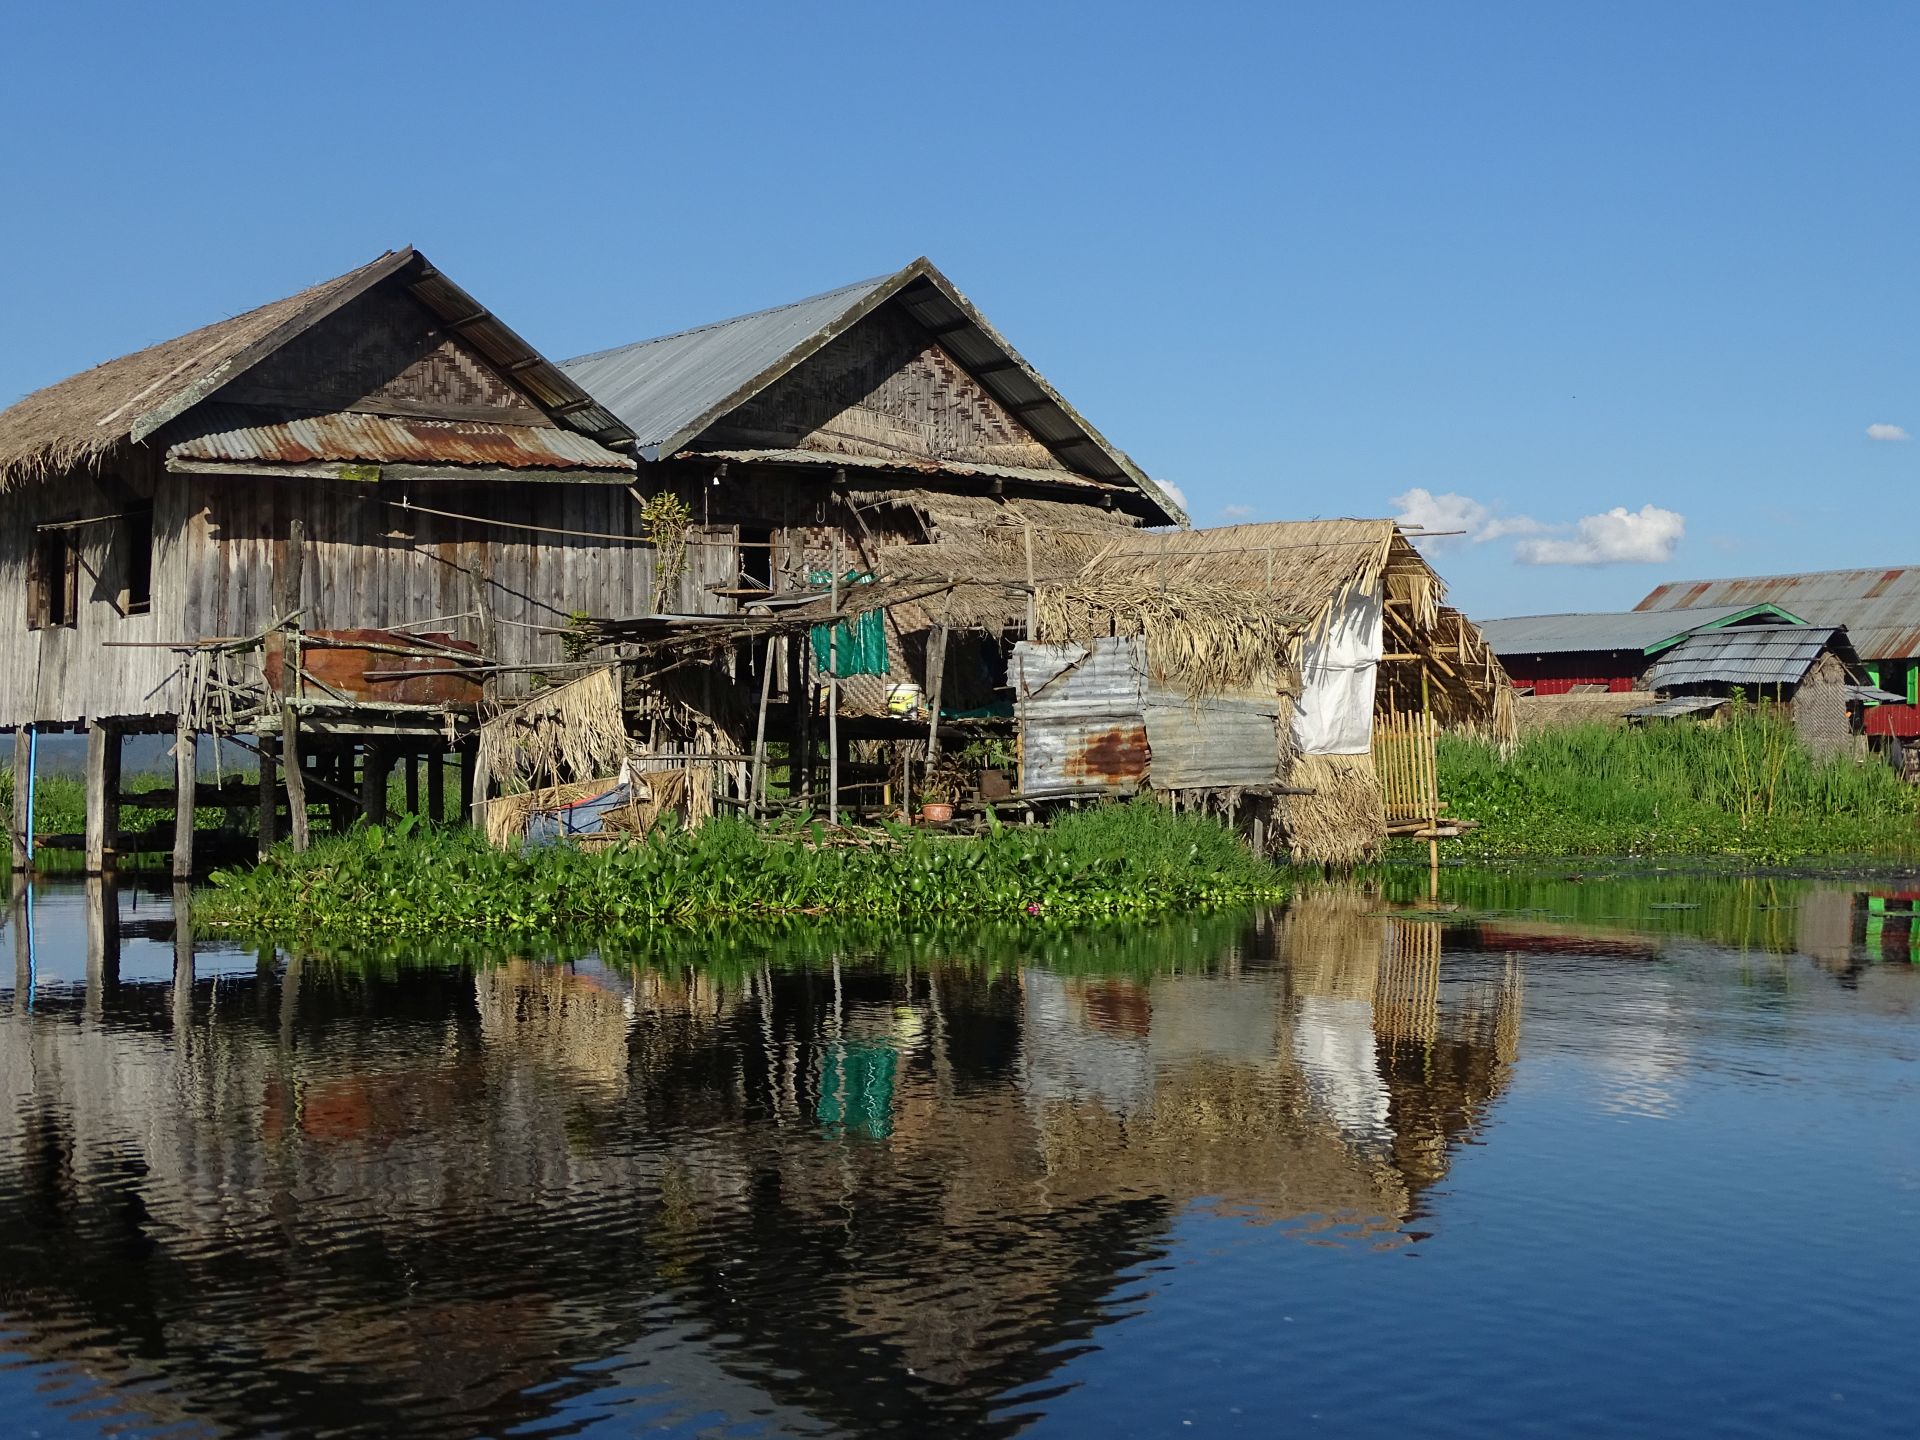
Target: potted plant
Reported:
point(936, 800)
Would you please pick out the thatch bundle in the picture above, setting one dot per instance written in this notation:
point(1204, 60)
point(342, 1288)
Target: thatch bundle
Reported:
point(577, 729)
point(1343, 819)
point(686, 794)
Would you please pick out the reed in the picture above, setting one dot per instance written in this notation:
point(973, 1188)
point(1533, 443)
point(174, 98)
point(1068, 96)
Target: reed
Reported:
point(1747, 787)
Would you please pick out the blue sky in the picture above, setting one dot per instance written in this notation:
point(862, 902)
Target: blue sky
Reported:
point(1537, 263)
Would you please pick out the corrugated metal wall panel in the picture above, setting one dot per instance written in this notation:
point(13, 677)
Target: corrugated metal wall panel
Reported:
point(1224, 741)
point(1081, 719)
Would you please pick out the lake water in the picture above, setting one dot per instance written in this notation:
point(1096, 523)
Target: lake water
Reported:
point(1580, 1156)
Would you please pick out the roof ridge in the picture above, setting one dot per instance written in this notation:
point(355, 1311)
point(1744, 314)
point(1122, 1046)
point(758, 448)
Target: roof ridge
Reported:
point(854, 286)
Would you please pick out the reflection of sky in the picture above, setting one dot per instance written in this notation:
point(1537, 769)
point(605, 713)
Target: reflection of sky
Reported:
point(1334, 1042)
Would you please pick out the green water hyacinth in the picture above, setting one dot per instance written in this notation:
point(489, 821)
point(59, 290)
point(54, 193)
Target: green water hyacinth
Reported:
point(412, 879)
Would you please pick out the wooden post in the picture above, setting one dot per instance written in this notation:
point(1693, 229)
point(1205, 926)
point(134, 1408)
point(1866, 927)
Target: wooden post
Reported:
point(757, 785)
point(437, 787)
point(376, 763)
point(290, 764)
point(936, 682)
point(186, 780)
point(468, 756)
point(22, 788)
point(833, 691)
point(269, 795)
point(1433, 786)
point(412, 762)
point(103, 793)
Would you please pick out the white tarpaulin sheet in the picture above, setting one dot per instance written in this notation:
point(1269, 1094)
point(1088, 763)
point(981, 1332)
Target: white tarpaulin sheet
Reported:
point(1339, 662)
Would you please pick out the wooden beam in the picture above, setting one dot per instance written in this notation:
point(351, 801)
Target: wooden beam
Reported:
point(186, 774)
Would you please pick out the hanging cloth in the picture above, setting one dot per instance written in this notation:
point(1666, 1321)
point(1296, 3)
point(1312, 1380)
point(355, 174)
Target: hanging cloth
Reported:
point(860, 644)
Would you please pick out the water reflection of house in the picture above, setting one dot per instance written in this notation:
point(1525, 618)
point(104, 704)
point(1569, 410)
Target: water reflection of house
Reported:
point(536, 1163)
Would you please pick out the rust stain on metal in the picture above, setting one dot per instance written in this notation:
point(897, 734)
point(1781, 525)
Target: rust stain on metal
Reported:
point(343, 663)
point(397, 440)
point(1115, 756)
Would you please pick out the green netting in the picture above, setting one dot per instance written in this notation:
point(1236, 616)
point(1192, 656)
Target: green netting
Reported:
point(859, 644)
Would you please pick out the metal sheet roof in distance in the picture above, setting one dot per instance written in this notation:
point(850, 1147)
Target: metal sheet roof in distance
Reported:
point(1612, 630)
point(1750, 655)
point(231, 433)
point(1880, 608)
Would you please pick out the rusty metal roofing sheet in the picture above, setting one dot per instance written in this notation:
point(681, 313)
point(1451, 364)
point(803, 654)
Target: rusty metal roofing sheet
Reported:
point(961, 468)
point(1080, 711)
point(1879, 607)
point(1749, 655)
point(234, 433)
point(1616, 630)
point(1091, 720)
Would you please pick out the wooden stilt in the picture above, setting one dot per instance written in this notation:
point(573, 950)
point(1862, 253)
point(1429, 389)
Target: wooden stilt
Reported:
point(269, 795)
point(376, 761)
point(296, 778)
point(436, 788)
point(833, 693)
point(412, 762)
point(22, 784)
point(103, 794)
point(186, 780)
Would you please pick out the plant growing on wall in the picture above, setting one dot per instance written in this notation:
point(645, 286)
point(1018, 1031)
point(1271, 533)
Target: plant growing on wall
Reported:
point(667, 521)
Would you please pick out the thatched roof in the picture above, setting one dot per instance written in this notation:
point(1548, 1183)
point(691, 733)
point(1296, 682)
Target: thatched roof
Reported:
point(78, 420)
point(75, 423)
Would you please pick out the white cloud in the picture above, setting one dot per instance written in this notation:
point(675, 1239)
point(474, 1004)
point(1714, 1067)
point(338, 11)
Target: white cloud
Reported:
point(1887, 432)
point(1618, 536)
point(1174, 493)
point(1451, 517)
point(1236, 512)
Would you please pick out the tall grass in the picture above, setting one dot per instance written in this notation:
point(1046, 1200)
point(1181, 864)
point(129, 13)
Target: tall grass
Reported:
point(1747, 787)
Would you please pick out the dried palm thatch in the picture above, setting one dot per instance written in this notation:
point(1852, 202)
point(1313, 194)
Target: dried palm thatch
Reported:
point(1343, 820)
point(1204, 638)
point(80, 420)
point(576, 729)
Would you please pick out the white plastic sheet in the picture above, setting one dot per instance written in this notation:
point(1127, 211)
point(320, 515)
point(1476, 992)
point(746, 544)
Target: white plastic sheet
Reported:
point(1338, 666)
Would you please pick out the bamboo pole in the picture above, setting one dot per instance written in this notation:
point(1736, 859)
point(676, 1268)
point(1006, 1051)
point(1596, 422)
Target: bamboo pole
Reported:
point(22, 788)
point(833, 693)
point(757, 786)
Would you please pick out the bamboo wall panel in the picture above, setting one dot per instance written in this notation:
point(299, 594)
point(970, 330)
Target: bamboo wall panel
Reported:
point(884, 388)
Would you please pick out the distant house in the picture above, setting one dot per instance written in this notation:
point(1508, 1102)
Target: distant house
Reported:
point(1608, 652)
point(1810, 669)
point(1880, 609)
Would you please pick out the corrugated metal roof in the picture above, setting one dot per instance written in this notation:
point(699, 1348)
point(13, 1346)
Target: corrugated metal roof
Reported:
point(669, 390)
point(231, 435)
point(1224, 740)
point(1614, 630)
point(1880, 608)
point(1746, 655)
